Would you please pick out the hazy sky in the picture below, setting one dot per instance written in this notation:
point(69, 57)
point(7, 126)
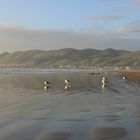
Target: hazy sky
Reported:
point(56, 24)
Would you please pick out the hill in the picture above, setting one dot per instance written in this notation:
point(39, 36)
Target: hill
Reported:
point(69, 57)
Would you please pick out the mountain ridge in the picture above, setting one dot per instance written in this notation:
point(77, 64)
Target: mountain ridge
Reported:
point(69, 57)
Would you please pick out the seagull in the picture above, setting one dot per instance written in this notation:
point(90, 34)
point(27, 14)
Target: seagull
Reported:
point(123, 77)
point(67, 82)
point(103, 82)
point(46, 83)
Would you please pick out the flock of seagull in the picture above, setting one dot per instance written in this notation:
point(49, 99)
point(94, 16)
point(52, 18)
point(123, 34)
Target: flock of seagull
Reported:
point(104, 81)
point(68, 83)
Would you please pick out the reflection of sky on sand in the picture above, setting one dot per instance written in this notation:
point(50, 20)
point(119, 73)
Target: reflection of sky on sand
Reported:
point(35, 81)
point(29, 111)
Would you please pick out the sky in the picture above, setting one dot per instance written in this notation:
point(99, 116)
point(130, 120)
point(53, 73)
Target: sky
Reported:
point(79, 24)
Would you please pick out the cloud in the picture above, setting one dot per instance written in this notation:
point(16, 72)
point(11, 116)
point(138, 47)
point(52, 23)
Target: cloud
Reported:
point(13, 38)
point(132, 29)
point(138, 1)
point(107, 17)
point(11, 27)
point(137, 5)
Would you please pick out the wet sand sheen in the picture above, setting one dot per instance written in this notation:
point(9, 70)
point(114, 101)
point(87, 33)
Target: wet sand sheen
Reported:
point(109, 133)
point(85, 111)
point(56, 136)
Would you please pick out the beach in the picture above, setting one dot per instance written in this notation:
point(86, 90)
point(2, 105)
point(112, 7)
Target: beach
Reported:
point(84, 111)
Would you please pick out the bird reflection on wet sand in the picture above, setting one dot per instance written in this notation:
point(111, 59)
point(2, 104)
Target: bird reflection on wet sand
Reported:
point(46, 88)
point(67, 87)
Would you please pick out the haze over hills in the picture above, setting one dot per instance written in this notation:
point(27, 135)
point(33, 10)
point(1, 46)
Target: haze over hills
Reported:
point(69, 57)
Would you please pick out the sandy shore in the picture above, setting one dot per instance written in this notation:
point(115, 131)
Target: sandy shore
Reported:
point(85, 111)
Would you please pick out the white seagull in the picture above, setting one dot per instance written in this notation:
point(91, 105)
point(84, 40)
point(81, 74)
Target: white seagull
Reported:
point(67, 82)
point(46, 83)
point(123, 77)
point(103, 82)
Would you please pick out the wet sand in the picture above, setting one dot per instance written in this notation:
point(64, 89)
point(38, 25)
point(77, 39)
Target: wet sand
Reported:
point(132, 75)
point(110, 133)
point(85, 111)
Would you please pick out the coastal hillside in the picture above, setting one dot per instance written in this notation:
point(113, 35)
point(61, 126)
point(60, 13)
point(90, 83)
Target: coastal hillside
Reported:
point(69, 57)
